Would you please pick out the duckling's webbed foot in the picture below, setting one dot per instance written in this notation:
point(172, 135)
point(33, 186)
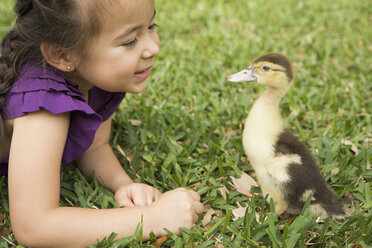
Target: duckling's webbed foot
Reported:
point(280, 207)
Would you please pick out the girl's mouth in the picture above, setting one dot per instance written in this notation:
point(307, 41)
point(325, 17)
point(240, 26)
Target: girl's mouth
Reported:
point(143, 74)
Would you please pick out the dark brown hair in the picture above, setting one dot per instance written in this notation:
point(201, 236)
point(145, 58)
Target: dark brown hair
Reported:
point(279, 59)
point(59, 23)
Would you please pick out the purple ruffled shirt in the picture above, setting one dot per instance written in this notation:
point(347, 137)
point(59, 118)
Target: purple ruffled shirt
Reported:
point(38, 88)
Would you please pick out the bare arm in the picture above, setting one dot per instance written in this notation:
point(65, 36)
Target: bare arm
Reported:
point(100, 160)
point(34, 174)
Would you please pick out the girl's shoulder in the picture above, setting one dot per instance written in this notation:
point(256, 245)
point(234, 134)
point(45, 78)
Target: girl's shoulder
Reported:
point(33, 78)
point(39, 88)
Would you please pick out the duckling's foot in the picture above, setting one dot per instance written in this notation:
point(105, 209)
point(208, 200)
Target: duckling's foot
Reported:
point(280, 207)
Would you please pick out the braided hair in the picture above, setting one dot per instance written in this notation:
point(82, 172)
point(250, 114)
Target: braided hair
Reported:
point(61, 23)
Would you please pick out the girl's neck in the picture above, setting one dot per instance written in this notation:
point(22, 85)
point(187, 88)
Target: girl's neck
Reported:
point(84, 86)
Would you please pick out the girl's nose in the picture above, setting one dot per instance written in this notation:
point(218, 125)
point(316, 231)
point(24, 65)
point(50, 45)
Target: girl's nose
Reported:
point(152, 47)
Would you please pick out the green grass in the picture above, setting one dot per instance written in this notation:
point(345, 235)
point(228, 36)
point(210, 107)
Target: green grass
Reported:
point(189, 109)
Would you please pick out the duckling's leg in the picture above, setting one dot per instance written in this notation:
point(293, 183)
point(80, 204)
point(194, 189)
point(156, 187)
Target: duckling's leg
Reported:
point(278, 198)
point(280, 206)
point(277, 169)
point(277, 195)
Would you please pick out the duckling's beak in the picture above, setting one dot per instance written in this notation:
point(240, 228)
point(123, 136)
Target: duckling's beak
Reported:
point(246, 75)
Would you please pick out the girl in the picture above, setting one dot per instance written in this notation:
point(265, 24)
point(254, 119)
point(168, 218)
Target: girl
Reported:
point(63, 71)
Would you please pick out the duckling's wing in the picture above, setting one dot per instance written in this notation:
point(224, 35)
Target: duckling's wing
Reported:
point(305, 177)
point(307, 172)
point(287, 143)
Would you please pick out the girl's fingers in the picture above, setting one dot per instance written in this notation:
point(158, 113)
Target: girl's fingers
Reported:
point(199, 208)
point(194, 218)
point(181, 189)
point(146, 197)
point(140, 200)
point(157, 194)
point(123, 199)
point(153, 196)
point(126, 202)
point(150, 199)
point(195, 195)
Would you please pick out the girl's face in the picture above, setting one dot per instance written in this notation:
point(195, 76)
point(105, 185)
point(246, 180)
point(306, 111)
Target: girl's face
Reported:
point(121, 56)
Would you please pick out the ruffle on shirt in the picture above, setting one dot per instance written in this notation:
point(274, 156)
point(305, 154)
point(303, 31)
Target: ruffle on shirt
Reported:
point(50, 90)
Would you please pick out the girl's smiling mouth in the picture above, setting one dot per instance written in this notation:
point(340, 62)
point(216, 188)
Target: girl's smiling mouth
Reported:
point(143, 74)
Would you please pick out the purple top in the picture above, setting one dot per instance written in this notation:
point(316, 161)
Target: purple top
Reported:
point(37, 88)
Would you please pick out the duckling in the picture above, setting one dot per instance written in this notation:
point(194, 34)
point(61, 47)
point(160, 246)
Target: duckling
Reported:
point(285, 169)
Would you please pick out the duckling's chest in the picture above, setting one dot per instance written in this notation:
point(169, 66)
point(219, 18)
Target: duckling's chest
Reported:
point(261, 130)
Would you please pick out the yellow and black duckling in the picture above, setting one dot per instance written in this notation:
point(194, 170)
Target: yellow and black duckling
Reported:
point(285, 169)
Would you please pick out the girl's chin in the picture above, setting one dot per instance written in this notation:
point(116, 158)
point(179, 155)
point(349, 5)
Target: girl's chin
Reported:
point(138, 88)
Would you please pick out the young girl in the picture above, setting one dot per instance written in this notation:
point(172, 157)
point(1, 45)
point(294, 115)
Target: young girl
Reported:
point(63, 71)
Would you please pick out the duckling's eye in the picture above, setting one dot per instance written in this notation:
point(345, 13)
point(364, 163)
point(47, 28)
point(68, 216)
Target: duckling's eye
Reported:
point(266, 68)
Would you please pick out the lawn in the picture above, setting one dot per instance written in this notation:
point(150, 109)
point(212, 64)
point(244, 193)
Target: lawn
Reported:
point(185, 129)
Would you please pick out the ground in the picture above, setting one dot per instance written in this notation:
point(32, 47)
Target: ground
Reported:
point(185, 129)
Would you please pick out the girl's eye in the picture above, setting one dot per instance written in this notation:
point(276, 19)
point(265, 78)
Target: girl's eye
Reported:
point(266, 68)
point(131, 43)
point(153, 26)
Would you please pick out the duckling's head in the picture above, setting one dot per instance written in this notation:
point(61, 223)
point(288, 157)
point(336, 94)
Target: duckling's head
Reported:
point(272, 69)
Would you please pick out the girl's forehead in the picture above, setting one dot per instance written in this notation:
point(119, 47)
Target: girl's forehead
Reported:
point(119, 12)
point(125, 9)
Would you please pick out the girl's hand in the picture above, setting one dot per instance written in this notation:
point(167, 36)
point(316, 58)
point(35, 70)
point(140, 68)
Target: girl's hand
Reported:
point(136, 194)
point(175, 209)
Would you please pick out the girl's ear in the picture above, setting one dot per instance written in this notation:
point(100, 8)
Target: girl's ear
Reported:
point(58, 57)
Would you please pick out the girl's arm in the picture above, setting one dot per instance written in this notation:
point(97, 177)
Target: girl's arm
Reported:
point(100, 160)
point(34, 189)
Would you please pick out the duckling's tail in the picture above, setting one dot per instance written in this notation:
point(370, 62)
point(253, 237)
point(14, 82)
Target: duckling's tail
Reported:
point(329, 207)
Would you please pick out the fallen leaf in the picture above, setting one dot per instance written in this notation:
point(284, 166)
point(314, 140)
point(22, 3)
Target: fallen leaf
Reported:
point(129, 158)
point(229, 132)
point(291, 218)
point(208, 216)
point(367, 142)
point(122, 106)
point(223, 191)
point(243, 184)
point(349, 143)
point(239, 212)
point(159, 241)
point(135, 122)
point(5, 231)
point(195, 186)
point(319, 220)
point(357, 246)
point(335, 171)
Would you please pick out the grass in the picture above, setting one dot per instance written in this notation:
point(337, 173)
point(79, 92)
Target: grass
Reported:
point(191, 118)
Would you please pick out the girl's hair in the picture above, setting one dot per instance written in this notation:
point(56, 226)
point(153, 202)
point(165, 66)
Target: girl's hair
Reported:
point(63, 24)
